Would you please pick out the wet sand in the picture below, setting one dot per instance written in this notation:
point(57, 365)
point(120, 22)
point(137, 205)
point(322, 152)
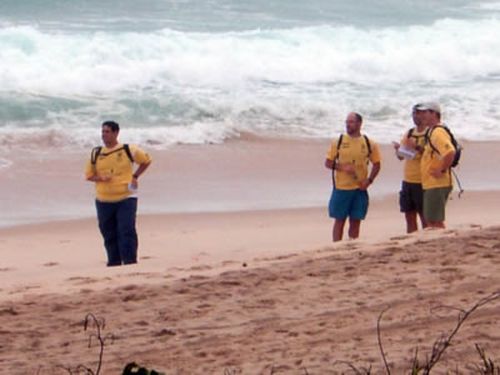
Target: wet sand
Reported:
point(243, 174)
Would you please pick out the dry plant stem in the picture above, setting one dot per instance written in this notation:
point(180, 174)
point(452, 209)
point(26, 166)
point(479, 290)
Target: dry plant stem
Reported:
point(441, 344)
point(98, 325)
point(379, 339)
point(415, 367)
point(488, 367)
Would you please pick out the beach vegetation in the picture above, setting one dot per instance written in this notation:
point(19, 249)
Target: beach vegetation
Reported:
point(487, 366)
point(421, 364)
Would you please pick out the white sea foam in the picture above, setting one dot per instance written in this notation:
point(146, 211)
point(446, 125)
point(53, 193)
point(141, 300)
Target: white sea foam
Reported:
point(186, 87)
point(101, 63)
point(159, 137)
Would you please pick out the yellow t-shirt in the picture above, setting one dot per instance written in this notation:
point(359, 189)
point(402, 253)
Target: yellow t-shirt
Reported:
point(432, 159)
point(114, 162)
point(353, 150)
point(412, 171)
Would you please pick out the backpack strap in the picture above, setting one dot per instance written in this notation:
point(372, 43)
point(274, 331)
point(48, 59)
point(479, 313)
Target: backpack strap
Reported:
point(96, 151)
point(368, 145)
point(452, 137)
point(428, 134)
point(95, 154)
point(411, 133)
point(450, 134)
point(126, 147)
point(367, 141)
point(339, 142)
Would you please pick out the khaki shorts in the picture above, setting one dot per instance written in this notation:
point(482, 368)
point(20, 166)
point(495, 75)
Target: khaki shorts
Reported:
point(435, 203)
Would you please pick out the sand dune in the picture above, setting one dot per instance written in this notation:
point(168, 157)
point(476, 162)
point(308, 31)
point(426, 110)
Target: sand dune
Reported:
point(309, 311)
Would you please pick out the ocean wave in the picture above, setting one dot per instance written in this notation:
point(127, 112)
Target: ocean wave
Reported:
point(50, 139)
point(104, 63)
point(191, 87)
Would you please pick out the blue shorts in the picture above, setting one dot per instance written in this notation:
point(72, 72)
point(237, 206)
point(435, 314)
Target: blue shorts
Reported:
point(348, 203)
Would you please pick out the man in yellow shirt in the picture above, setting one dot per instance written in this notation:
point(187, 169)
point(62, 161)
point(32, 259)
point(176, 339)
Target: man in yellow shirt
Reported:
point(111, 168)
point(410, 149)
point(437, 159)
point(348, 158)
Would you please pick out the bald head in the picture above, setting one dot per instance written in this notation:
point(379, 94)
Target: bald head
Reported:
point(353, 124)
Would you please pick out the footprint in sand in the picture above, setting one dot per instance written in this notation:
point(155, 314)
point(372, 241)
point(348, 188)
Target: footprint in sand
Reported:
point(78, 280)
point(349, 246)
point(200, 268)
point(399, 238)
point(50, 264)
point(325, 249)
point(9, 311)
point(165, 332)
point(24, 289)
point(286, 256)
point(58, 307)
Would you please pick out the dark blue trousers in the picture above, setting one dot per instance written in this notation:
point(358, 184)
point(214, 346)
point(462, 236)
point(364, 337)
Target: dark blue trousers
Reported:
point(117, 226)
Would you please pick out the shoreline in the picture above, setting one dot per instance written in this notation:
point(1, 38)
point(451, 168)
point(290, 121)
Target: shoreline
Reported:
point(246, 174)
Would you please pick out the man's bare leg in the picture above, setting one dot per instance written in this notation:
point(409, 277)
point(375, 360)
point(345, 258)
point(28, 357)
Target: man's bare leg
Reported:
point(354, 226)
point(338, 230)
point(411, 221)
point(422, 220)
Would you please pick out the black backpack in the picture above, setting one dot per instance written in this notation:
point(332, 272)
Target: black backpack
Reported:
point(368, 145)
point(411, 135)
point(456, 145)
point(339, 142)
point(96, 151)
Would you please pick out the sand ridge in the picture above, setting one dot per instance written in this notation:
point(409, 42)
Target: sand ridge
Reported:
point(302, 311)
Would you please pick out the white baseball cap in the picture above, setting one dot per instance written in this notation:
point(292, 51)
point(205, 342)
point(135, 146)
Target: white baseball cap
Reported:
point(428, 106)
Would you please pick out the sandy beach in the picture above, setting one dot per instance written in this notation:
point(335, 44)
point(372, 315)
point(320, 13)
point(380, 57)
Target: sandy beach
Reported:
point(237, 271)
point(237, 103)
